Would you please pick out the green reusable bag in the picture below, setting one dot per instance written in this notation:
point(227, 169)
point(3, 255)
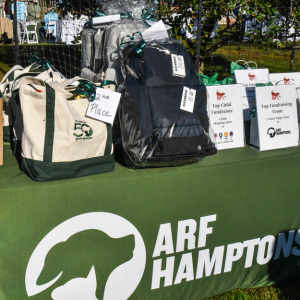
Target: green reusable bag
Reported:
point(213, 80)
point(237, 66)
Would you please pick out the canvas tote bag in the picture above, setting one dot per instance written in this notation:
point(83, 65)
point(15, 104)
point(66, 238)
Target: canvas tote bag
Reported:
point(5, 87)
point(9, 83)
point(58, 140)
point(14, 104)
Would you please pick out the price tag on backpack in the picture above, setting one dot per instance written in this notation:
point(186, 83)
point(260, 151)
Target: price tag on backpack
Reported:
point(105, 106)
point(178, 65)
point(188, 99)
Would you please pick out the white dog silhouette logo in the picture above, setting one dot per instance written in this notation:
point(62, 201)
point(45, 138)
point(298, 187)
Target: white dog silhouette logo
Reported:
point(78, 288)
point(127, 275)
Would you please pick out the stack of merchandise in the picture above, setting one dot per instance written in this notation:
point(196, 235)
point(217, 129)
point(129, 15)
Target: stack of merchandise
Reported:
point(46, 124)
point(162, 116)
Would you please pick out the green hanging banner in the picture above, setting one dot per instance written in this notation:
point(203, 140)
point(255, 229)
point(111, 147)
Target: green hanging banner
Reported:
point(186, 232)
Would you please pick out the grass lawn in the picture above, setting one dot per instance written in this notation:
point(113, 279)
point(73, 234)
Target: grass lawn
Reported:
point(6, 58)
point(277, 60)
point(282, 291)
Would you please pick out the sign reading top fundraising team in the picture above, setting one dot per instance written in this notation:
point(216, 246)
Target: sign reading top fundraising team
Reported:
point(275, 125)
point(226, 115)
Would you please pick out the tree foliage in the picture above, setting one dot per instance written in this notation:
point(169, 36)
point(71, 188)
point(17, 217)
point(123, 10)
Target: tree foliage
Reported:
point(77, 7)
point(260, 21)
point(272, 21)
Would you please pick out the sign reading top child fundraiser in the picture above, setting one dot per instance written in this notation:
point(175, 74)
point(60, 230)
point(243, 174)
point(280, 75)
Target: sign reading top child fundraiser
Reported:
point(226, 115)
point(249, 78)
point(275, 125)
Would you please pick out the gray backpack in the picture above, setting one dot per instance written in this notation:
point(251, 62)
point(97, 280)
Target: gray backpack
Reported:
point(92, 41)
point(101, 49)
point(114, 36)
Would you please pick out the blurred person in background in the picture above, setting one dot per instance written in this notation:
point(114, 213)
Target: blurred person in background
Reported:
point(7, 9)
point(51, 15)
point(34, 14)
point(34, 11)
point(21, 17)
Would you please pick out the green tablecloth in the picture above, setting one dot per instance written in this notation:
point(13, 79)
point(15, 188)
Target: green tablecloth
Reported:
point(231, 220)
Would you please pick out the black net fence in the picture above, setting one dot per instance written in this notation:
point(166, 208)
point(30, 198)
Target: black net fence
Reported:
point(214, 35)
point(65, 58)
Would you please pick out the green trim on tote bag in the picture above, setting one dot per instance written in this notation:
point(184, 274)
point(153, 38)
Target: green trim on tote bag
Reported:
point(50, 123)
point(11, 77)
point(45, 171)
point(31, 74)
point(7, 133)
point(108, 140)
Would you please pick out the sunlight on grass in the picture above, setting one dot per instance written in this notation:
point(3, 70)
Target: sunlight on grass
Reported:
point(284, 291)
point(6, 59)
point(276, 60)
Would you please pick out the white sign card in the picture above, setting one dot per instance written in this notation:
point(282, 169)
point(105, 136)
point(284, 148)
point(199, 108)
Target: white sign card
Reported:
point(249, 78)
point(105, 106)
point(275, 125)
point(226, 115)
point(106, 19)
point(288, 78)
point(152, 22)
point(285, 78)
point(157, 31)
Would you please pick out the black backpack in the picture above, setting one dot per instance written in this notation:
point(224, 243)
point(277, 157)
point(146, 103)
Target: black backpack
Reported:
point(163, 116)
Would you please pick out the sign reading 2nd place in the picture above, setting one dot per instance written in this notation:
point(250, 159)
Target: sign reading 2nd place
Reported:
point(105, 105)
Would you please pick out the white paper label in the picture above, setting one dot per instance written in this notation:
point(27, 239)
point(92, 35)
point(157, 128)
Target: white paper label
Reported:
point(226, 115)
point(105, 105)
point(188, 99)
point(249, 78)
point(153, 22)
point(106, 19)
point(156, 32)
point(285, 78)
point(178, 65)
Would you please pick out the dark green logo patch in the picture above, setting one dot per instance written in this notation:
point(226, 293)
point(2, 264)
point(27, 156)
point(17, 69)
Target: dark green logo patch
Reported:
point(82, 131)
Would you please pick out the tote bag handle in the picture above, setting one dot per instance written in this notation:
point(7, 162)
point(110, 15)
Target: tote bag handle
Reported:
point(6, 76)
